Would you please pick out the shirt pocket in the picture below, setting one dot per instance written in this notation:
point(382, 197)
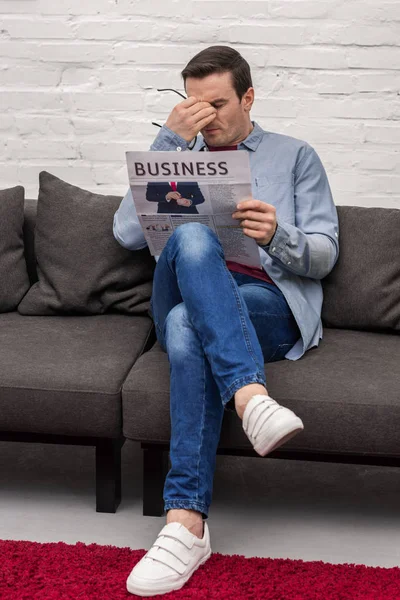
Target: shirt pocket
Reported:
point(277, 188)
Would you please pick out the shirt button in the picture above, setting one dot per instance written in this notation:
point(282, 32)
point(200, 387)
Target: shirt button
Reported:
point(178, 149)
point(288, 262)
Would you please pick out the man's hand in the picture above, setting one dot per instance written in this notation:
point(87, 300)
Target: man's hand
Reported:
point(184, 202)
point(189, 117)
point(258, 220)
point(172, 196)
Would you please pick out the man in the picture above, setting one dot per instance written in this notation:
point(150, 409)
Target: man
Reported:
point(219, 323)
point(175, 197)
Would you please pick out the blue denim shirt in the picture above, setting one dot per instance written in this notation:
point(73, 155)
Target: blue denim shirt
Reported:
point(287, 173)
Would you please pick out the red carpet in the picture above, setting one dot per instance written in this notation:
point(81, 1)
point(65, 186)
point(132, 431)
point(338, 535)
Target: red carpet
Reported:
point(58, 571)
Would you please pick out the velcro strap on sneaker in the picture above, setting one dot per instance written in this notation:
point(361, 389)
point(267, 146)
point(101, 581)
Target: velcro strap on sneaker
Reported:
point(178, 532)
point(166, 558)
point(257, 405)
point(263, 418)
point(174, 546)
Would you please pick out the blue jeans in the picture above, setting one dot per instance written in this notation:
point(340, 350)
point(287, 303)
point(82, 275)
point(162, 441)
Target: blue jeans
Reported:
point(218, 328)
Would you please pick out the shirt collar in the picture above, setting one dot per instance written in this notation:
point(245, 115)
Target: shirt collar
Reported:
point(252, 141)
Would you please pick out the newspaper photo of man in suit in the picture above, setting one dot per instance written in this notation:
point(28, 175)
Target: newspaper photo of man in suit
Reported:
point(179, 197)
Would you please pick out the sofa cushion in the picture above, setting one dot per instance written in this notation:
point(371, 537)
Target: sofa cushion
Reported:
point(363, 289)
point(14, 281)
point(63, 375)
point(81, 267)
point(346, 391)
point(29, 238)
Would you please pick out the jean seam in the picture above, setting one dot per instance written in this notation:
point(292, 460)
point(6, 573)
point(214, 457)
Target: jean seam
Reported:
point(267, 314)
point(186, 504)
point(239, 383)
point(242, 320)
point(279, 347)
point(168, 259)
point(201, 432)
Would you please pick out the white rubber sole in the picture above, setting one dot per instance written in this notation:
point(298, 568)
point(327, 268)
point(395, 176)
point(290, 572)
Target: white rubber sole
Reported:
point(279, 429)
point(146, 591)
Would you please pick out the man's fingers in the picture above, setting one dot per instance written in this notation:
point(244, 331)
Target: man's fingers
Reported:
point(199, 106)
point(173, 195)
point(188, 102)
point(254, 205)
point(256, 235)
point(254, 215)
point(253, 225)
point(193, 108)
point(201, 115)
point(204, 122)
point(197, 114)
point(257, 219)
point(188, 117)
point(204, 112)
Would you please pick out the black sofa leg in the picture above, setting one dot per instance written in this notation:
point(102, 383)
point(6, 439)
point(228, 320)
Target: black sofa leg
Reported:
point(155, 469)
point(108, 474)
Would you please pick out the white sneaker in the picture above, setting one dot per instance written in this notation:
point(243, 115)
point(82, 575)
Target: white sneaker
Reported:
point(170, 562)
point(268, 425)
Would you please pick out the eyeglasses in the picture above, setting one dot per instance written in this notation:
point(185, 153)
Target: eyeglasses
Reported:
point(193, 143)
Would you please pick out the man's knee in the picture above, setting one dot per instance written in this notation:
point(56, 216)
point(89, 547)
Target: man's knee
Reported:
point(178, 331)
point(196, 239)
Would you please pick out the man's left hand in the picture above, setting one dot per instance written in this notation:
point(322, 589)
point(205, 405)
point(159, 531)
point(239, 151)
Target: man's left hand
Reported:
point(184, 202)
point(258, 220)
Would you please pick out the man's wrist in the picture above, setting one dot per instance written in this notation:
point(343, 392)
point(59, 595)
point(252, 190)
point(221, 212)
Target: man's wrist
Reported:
point(273, 235)
point(167, 140)
point(267, 245)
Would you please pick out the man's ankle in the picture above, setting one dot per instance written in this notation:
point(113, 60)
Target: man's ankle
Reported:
point(191, 519)
point(245, 394)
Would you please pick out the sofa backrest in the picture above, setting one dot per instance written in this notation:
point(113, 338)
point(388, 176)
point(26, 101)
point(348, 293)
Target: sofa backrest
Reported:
point(363, 289)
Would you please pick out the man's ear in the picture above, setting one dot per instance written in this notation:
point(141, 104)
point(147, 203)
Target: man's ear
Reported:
point(248, 99)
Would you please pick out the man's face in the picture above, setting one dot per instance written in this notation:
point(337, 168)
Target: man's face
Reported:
point(232, 123)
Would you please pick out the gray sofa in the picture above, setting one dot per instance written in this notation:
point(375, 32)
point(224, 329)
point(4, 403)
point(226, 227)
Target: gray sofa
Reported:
point(97, 380)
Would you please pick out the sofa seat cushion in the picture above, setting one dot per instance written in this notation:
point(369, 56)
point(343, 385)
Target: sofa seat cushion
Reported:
point(63, 375)
point(346, 391)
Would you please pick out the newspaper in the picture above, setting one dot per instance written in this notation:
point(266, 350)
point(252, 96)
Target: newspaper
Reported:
point(173, 188)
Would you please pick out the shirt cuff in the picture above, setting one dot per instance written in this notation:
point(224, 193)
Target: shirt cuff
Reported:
point(168, 140)
point(277, 246)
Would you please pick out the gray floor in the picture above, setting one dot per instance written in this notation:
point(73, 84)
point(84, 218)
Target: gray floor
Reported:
point(262, 507)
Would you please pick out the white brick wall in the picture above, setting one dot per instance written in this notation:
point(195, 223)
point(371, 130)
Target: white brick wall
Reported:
point(78, 79)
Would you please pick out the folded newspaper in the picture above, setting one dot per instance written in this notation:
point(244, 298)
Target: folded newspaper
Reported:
point(173, 188)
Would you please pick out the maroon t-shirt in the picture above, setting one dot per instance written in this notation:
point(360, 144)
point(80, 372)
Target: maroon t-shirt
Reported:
point(237, 267)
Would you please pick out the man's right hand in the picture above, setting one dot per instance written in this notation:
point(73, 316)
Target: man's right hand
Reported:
point(172, 196)
point(189, 117)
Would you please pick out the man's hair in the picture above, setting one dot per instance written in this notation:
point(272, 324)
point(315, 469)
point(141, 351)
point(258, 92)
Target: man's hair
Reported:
point(220, 59)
